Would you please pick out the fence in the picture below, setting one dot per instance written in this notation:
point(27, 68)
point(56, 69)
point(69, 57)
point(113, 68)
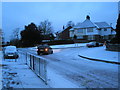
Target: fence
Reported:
point(36, 63)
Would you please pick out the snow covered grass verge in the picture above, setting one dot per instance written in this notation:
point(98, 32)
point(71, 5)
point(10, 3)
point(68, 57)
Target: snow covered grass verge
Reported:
point(76, 45)
point(69, 45)
point(101, 54)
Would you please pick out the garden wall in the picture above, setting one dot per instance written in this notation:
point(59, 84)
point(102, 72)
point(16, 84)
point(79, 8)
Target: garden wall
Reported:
point(113, 47)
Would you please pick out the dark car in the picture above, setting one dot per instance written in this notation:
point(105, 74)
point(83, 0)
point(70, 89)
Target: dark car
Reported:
point(44, 49)
point(94, 44)
point(10, 52)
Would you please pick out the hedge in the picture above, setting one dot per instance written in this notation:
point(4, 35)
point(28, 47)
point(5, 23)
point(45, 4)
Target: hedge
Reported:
point(58, 42)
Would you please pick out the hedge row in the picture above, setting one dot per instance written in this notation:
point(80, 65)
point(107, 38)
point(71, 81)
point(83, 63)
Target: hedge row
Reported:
point(58, 42)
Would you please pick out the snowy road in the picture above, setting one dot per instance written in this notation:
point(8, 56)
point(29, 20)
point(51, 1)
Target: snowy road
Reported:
point(81, 72)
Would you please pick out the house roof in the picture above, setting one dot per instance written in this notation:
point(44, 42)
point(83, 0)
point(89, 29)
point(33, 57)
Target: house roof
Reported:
point(102, 24)
point(71, 29)
point(54, 34)
point(86, 24)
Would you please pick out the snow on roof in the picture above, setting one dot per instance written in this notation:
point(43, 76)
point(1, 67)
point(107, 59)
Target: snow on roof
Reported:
point(102, 24)
point(86, 24)
point(54, 34)
point(71, 29)
point(59, 31)
point(113, 32)
point(78, 23)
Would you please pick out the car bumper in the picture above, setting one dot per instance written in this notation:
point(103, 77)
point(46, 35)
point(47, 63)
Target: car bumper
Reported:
point(43, 52)
point(11, 57)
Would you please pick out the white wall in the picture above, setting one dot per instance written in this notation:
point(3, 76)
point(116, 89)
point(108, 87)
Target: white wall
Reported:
point(108, 32)
point(95, 31)
point(71, 33)
point(79, 33)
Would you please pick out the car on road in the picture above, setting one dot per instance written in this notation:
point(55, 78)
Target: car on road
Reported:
point(44, 49)
point(94, 44)
point(10, 52)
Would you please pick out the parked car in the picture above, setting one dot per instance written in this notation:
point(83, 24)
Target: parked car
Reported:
point(101, 44)
point(44, 49)
point(94, 44)
point(10, 52)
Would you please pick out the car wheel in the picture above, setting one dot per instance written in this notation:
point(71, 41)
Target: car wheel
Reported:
point(17, 56)
point(4, 57)
point(51, 52)
point(38, 53)
point(45, 53)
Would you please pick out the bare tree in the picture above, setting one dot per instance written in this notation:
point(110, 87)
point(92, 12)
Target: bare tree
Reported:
point(16, 33)
point(2, 35)
point(15, 37)
point(45, 27)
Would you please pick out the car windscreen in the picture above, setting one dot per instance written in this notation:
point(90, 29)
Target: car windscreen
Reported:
point(10, 48)
point(43, 47)
point(91, 42)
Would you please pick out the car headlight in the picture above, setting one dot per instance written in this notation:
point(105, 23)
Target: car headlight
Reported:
point(46, 49)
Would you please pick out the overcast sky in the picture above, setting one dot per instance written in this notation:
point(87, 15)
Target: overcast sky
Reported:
point(17, 14)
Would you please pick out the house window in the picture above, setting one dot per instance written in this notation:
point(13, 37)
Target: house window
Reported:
point(80, 31)
point(72, 32)
point(89, 29)
point(80, 37)
point(105, 37)
point(90, 37)
point(105, 29)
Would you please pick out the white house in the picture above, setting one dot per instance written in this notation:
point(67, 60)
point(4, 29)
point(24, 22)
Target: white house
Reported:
point(91, 31)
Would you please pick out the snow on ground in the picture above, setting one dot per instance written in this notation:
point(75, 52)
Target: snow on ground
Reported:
point(57, 81)
point(86, 73)
point(95, 52)
point(62, 46)
point(69, 45)
point(25, 78)
point(66, 69)
point(100, 53)
point(19, 75)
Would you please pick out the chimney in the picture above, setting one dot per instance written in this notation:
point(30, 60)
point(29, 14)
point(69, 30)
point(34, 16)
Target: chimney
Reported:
point(88, 17)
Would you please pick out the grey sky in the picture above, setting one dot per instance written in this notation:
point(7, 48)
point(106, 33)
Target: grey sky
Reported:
point(0, 14)
point(18, 14)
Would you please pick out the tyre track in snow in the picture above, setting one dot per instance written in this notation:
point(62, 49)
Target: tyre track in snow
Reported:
point(80, 72)
point(82, 76)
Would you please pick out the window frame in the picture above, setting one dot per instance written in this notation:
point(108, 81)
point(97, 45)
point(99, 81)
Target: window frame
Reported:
point(89, 29)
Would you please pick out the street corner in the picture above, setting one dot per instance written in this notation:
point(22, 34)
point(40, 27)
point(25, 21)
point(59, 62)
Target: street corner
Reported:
point(100, 54)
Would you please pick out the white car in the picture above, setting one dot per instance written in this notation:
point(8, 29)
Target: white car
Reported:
point(94, 44)
point(10, 52)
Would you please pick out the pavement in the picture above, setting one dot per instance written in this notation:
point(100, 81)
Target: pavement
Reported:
point(19, 75)
point(101, 54)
